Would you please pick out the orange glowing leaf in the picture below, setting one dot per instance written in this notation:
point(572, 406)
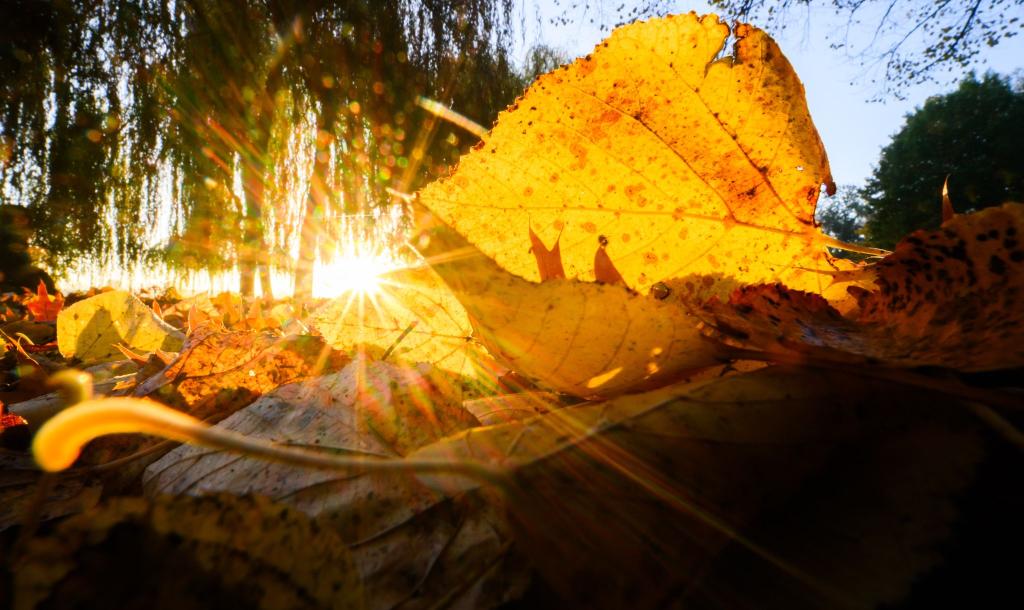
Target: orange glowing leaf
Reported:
point(43, 306)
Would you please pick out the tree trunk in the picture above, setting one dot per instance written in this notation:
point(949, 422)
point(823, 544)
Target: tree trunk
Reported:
point(254, 257)
point(317, 200)
point(252, 245)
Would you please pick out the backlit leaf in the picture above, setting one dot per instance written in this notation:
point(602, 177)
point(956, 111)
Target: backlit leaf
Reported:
point(89, 329)
point(42, 306)
point(586, 339)
point(653, 159)
point(413, 314)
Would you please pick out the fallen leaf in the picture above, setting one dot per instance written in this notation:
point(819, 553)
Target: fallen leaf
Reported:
point(585, 339)
point(42, 306)
point(651, 159)
point(22, 500)
point(218, 372)
point(631, 502)
point(14, 432)
point(505, 408)
point(871, 525)
point(210, 552)
point(413, 314)
point(953, 297)
point(412, 546)
point(36, 332)
point(90, 329)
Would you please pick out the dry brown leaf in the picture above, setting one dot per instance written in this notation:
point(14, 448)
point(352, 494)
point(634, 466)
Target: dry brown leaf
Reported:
point(629, 503)
point(871, 524)
point(185, 552)
point(412, 546)
point(655, 159)
point(21, 499)
point(953, 297)
point(504, 408)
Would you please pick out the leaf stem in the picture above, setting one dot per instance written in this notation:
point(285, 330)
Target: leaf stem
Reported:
point(59, 442)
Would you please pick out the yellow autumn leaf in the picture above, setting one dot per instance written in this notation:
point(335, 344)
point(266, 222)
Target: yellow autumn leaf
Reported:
point(413, 314)
point(586, 339)
point(89, 329)
point(652, 159)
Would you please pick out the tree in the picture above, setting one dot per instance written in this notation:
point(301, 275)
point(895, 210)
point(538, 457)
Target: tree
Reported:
point(971, 135)
point(912, 42)
point(843, 215)
point(264, 120)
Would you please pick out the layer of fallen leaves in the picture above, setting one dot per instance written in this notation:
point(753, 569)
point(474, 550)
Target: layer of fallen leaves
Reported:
point(630, 322)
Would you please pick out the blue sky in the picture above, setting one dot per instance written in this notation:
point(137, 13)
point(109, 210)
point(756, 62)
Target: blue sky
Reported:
point(838, 88)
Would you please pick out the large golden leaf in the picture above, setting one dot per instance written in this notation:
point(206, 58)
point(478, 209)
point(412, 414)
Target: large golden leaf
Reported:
point(652, 159)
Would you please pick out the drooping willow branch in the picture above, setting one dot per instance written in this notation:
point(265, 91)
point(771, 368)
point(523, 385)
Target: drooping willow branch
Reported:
point(59, 442)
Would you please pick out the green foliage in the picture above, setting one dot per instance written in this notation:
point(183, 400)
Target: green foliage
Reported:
point(843, 215)
point(973, 136)
point(541, 59)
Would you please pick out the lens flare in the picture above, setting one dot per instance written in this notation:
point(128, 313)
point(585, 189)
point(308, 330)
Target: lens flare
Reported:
point(368, 249)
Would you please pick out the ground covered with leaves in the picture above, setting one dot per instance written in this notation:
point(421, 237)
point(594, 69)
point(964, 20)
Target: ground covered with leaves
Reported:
point(629, 374)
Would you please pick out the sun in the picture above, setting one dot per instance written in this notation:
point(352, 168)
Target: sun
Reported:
point(353, 273)
point(367, 251)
